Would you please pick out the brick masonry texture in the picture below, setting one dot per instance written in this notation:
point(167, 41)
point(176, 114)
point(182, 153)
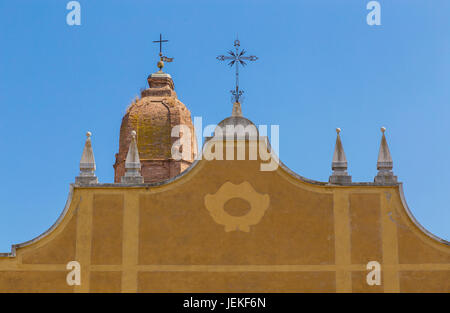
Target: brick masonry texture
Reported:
point(152, 117)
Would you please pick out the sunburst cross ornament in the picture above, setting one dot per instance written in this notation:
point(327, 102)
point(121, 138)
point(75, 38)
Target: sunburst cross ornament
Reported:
point(237, 57)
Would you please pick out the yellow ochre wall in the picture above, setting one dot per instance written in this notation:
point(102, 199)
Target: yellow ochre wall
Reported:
point(313, 237)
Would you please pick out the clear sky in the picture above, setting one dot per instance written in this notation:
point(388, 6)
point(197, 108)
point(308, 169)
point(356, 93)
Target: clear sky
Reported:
point(320, 66)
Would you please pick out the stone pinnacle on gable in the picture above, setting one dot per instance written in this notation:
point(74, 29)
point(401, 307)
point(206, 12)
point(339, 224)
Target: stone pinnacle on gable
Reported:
point(132, 164)
point(339, 163)
point(384, 163)
point(87, 164)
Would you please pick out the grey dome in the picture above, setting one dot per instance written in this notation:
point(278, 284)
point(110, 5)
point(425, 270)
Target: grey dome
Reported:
point(238, 125)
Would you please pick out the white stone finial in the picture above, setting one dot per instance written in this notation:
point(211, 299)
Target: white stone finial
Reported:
point(339, 163)
point(87, 164)
point(384, 163)
point(132, 164)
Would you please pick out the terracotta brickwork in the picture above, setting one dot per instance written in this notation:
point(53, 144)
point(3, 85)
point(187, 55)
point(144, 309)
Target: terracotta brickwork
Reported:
point(152, 117)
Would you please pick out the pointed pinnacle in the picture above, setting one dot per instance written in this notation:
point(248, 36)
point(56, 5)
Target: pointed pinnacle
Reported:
point(87, 164)
point(339, 163)
point(339, 158)
point(132, 164)
point(132, 159)
point(384, 155)
point(87, 161)
point(384, 163)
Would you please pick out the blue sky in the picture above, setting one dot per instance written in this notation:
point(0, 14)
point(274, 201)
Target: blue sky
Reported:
point(320, 67)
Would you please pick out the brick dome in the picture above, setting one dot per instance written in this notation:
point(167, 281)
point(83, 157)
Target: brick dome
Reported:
point(152, 117)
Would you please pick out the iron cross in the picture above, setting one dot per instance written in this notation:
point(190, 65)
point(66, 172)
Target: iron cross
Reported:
point(237, 57)
point(162, 58)
point(160, 43)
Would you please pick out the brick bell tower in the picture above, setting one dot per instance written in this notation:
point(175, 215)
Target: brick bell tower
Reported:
point(152, 117)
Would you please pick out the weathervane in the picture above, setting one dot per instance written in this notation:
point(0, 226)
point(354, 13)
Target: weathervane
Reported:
point(237, 57)
point(162, 58)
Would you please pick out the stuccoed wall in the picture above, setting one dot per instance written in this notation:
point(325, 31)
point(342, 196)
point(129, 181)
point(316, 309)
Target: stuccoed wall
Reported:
point(299, 236)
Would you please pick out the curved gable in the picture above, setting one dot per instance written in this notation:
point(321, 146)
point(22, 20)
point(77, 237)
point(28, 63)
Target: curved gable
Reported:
point(228, 226)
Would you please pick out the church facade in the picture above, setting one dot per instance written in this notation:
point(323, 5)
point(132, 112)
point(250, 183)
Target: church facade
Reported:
point(215, 224)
